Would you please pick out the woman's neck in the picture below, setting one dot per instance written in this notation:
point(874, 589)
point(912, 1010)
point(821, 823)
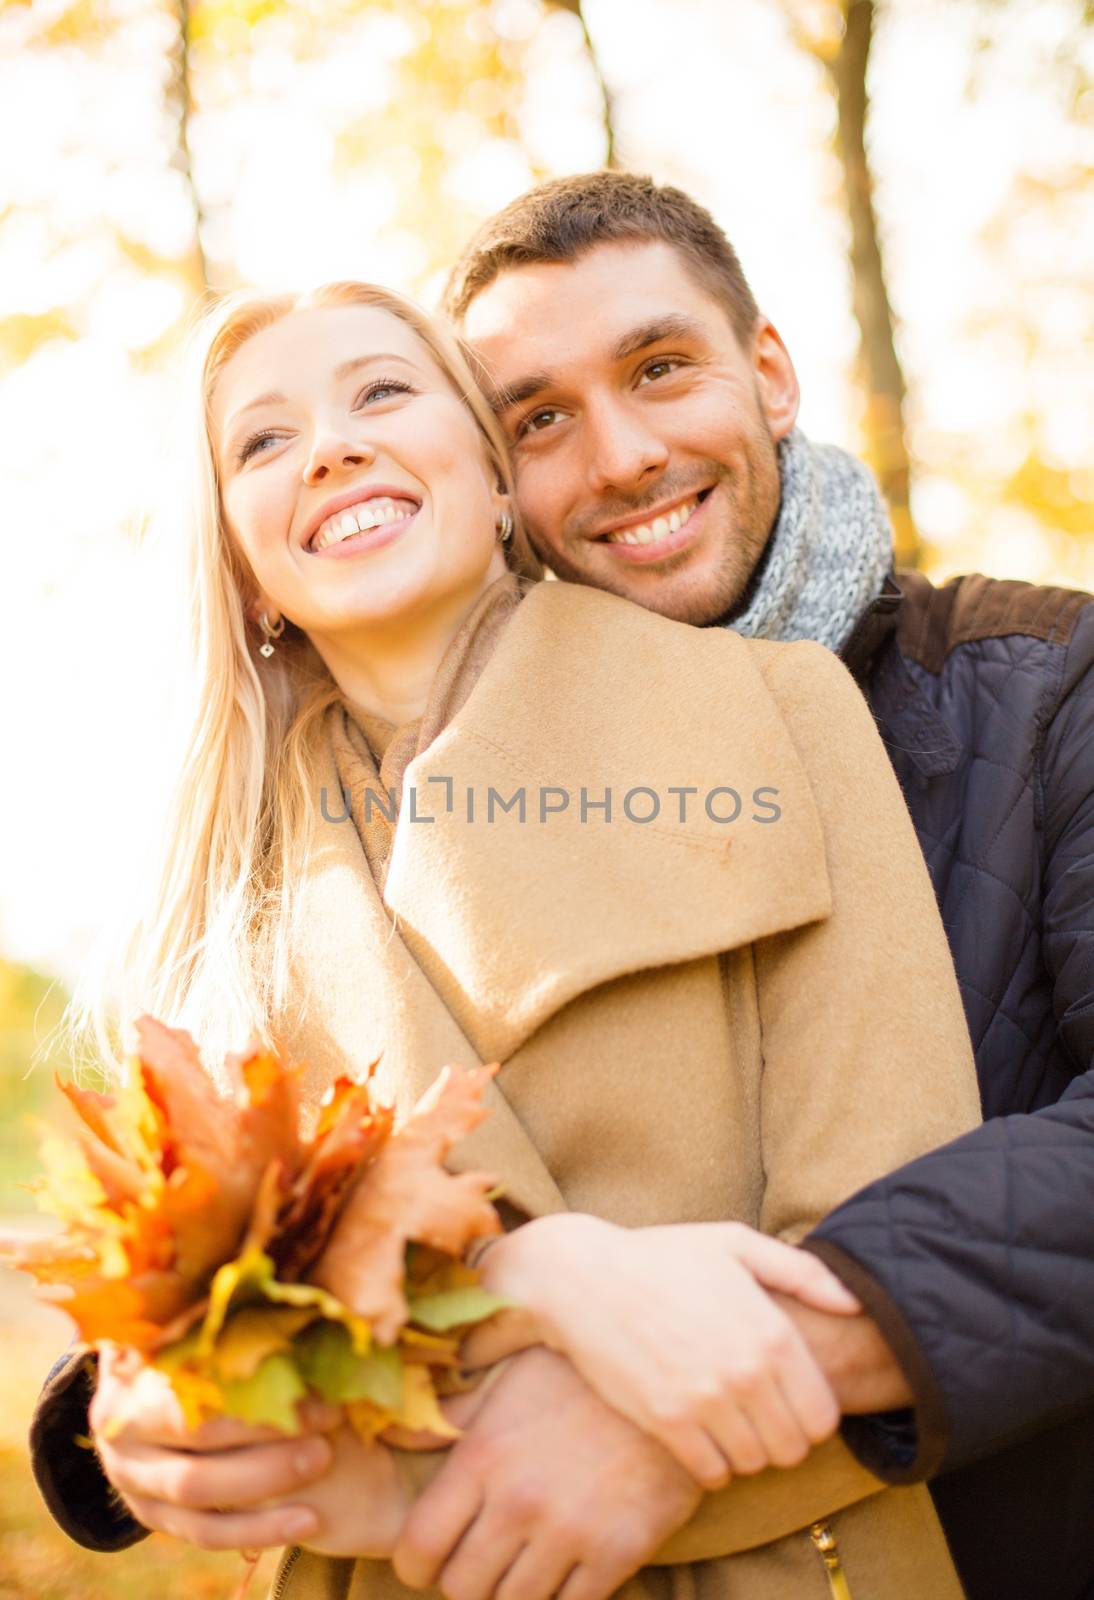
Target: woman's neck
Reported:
point(389, 672)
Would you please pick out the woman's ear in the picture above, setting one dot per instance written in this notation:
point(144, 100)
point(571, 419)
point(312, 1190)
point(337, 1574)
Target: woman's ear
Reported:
point(255, 606)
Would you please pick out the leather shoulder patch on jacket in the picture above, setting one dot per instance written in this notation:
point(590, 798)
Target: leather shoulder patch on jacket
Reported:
point(933, 621)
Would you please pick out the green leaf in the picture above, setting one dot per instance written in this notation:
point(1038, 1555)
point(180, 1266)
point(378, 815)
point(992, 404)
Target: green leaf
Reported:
point(456, 1308)
point(254, 1333)
point(329, 1364)
point(269, 1396)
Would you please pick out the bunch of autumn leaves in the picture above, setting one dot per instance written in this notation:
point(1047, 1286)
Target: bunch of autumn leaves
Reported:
point(253, 1265)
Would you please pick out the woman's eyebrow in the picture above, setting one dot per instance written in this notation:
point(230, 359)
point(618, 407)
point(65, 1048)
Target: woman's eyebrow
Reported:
point(348, 368)
point(345, 370)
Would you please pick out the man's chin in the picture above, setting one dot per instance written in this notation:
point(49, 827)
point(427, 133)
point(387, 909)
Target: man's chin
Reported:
point(670, 590)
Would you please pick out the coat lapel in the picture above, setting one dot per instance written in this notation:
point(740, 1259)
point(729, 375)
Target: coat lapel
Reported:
point(490, 927)
point(510, 919)
point(358, 994)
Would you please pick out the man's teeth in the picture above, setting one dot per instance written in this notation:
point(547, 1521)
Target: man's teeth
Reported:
point(658, 529)
point(361, 519)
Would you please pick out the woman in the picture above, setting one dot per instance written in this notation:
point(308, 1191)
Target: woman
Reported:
point(436, 810)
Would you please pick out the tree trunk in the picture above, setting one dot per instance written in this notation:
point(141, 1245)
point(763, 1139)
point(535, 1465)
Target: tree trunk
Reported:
point(608, 110)
point(180, 101)
point(879, 364)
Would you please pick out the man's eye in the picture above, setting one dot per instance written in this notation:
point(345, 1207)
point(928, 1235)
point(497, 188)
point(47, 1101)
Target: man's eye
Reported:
point(536, 421)
point(659, 368)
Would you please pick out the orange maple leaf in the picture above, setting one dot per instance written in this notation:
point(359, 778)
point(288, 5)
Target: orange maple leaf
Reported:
point(406, 1195)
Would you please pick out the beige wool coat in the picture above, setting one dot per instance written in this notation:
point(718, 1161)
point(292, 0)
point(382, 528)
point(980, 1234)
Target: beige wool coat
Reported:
point(697, 1020)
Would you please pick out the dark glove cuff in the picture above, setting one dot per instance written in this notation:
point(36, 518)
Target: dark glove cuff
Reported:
point(80, 1498)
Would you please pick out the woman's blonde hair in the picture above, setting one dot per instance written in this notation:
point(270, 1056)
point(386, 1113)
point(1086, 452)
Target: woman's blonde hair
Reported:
point(208, 946)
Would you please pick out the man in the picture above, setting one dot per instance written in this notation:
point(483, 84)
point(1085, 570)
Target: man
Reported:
point(652, 410)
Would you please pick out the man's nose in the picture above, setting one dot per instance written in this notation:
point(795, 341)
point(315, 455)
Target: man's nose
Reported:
point(333, 453)
point(622, 449)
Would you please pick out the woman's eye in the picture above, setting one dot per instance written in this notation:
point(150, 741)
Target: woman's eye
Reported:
point(382, 389)
point(253, 445)
point(658, 369)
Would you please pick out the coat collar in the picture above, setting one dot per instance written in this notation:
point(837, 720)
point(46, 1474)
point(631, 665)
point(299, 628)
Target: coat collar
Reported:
point(876, 624)
point(487, 928)
point(586, 693)
point(907, 719)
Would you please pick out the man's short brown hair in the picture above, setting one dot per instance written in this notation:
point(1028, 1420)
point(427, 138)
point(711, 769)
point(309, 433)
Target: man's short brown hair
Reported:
point(560, 220)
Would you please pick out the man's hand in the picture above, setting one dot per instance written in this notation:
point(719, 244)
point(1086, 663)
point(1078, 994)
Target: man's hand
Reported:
point(854, 1356)
point(549, 1493)
point(675, 1328)
point(207, 1485)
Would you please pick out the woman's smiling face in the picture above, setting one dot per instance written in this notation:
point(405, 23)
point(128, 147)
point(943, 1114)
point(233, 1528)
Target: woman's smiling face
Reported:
point(353, 477)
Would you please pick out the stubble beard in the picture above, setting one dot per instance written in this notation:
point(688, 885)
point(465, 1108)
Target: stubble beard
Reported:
point(752, 496)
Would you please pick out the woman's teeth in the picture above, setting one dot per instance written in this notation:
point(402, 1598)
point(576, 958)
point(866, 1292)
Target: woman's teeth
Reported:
point(648, 532)
point(361, 519)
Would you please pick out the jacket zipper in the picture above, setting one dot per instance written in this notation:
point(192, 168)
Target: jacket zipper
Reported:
point(824, 1542)
point(286, 1572)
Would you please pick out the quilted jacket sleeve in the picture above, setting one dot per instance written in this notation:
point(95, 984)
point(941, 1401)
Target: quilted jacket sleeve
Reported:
point(978, 1259)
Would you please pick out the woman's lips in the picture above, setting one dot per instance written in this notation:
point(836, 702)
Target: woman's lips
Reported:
point(360, 544)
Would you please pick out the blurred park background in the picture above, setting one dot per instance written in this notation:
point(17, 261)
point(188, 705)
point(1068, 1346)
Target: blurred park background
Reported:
point(908, 183)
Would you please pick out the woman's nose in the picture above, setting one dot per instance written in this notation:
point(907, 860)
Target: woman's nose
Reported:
point(332, 453)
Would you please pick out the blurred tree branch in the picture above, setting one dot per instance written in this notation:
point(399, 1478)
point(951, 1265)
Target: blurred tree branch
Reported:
point(840, 36)
point(608, 111)
point(180, 100)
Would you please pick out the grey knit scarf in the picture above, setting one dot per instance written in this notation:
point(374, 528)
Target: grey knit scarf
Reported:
point(829, 553)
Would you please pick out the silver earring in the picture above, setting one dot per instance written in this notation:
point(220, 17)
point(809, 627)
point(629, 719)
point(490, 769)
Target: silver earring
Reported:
point(505, 527)
point(266, 649)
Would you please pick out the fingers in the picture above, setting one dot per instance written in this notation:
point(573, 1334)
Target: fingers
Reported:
point(482, 1558)
point(152, 1415)
point(219, 1530)
point(780, 1434)
point(810, 1397)
point(501, 1335)
point(793, 1271)
point(584, 1584)
point(767, 1410)
point(229, 1478)
point(538, 1572)
point(437, 1522)
point(587, 1582)
point(701, 1453)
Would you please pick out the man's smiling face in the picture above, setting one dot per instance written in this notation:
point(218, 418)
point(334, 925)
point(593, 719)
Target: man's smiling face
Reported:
point(643, 434)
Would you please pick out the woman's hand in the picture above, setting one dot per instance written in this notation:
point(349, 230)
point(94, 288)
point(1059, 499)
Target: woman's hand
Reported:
point(212, 1485)
point(670, 1325)
point(360, 1503)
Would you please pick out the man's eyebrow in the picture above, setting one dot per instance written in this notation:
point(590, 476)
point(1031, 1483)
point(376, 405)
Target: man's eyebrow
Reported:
point(507, 395)
point(673, 325)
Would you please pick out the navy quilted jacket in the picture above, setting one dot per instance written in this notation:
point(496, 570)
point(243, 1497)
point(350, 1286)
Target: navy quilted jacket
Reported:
point(978, 1260)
